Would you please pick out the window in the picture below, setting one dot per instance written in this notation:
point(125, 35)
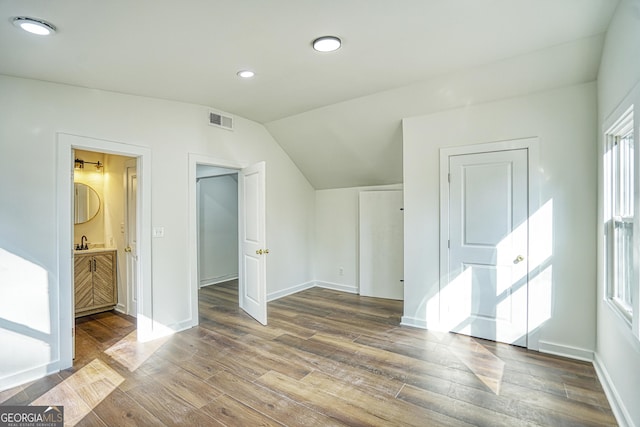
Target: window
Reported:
point(619, 175)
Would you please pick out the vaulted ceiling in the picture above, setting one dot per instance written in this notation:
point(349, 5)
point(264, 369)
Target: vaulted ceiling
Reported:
point(338, 115)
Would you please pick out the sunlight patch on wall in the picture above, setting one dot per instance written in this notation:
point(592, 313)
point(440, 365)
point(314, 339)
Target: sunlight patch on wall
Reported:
point(24, 294)
point(540, 298)
point(25, 319)
point(540, 266)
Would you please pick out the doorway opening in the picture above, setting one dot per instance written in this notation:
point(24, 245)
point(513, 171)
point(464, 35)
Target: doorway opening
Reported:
point(211, 226)
point(217, 228)
point(105, 253)
point(97, 249)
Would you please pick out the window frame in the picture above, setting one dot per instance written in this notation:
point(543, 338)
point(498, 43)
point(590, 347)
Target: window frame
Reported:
point(624, 126)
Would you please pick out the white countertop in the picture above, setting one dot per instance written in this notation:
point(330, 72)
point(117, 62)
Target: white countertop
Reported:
point(92, 250)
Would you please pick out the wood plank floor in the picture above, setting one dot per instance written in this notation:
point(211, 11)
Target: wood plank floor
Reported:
point(327, 358)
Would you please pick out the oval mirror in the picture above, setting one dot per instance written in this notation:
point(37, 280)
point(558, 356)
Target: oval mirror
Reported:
point(86, 203)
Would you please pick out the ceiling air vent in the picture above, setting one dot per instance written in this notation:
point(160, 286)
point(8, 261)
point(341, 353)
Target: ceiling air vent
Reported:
point(220, 120)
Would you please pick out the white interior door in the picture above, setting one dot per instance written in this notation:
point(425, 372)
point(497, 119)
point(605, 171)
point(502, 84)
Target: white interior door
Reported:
point(131, 247)
point(252, 275)
point(381, 244)
point(486, 292)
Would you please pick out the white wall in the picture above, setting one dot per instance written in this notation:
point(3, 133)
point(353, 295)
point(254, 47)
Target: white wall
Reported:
point(336, 241)
point(31, 113)
point(218, 229)
point(617, 351)
point(564, 121)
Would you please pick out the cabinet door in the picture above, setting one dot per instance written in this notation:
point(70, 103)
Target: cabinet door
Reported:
point(83, 281)
point(104, 279)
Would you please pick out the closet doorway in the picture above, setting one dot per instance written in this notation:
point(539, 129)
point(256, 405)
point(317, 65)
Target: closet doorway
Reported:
point(217, 224)
point(250, 219)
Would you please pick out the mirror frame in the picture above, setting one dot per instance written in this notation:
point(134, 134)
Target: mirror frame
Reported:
point(92, 192)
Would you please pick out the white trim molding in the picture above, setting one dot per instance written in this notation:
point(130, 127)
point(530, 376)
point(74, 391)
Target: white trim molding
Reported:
point(337, 287)
point(617, 406)
point(216, 280)
point(566, 351)
point(413, 322)
point(289, 291)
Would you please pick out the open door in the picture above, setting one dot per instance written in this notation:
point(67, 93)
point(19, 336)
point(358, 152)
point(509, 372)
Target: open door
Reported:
point(252, 290)
point(131, 237)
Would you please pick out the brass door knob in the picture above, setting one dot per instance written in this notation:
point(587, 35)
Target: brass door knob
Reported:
point(127, 249)
point(518, 259)
point(259, 252)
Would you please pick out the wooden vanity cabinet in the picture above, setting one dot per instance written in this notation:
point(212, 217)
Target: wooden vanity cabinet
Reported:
point(95, 287)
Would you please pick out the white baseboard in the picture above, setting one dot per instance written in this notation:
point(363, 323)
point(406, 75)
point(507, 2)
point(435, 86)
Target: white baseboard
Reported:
point(413, 322)
point(28, 375)
point(566, 351)
point(289, 291)
point(337, 287)
point(216, 280)
point(617, 407)
point(120, 308)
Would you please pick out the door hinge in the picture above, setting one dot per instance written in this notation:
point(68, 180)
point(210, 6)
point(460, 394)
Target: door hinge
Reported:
point(448, 244)
point(449, 178)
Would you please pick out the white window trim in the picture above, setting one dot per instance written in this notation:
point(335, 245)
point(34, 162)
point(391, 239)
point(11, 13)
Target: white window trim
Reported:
point(612, 126)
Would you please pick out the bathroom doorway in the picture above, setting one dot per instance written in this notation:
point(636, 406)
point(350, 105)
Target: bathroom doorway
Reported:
point(105, 251)
point(106, 161)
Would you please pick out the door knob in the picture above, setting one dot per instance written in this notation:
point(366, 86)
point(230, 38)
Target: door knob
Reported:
point(127, 249)
point(259, 252)
point(518, 259)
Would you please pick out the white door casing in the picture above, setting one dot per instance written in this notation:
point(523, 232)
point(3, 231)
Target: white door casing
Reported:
point(485, 294)
point(252, 248)
point(381, 244)
point(131, 247)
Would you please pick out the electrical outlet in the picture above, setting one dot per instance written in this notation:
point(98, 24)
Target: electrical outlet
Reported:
point(158, 231)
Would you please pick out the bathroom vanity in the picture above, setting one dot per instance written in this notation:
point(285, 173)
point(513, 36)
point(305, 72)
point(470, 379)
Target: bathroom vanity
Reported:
point(94, 281)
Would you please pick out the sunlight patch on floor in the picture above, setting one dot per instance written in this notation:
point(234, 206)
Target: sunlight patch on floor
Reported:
point(131, 353)
point(82, 391)
point(486, 366)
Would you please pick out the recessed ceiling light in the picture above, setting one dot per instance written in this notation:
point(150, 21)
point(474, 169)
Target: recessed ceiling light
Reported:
point(327, 44)
point(246, 74)
point(34, 26)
